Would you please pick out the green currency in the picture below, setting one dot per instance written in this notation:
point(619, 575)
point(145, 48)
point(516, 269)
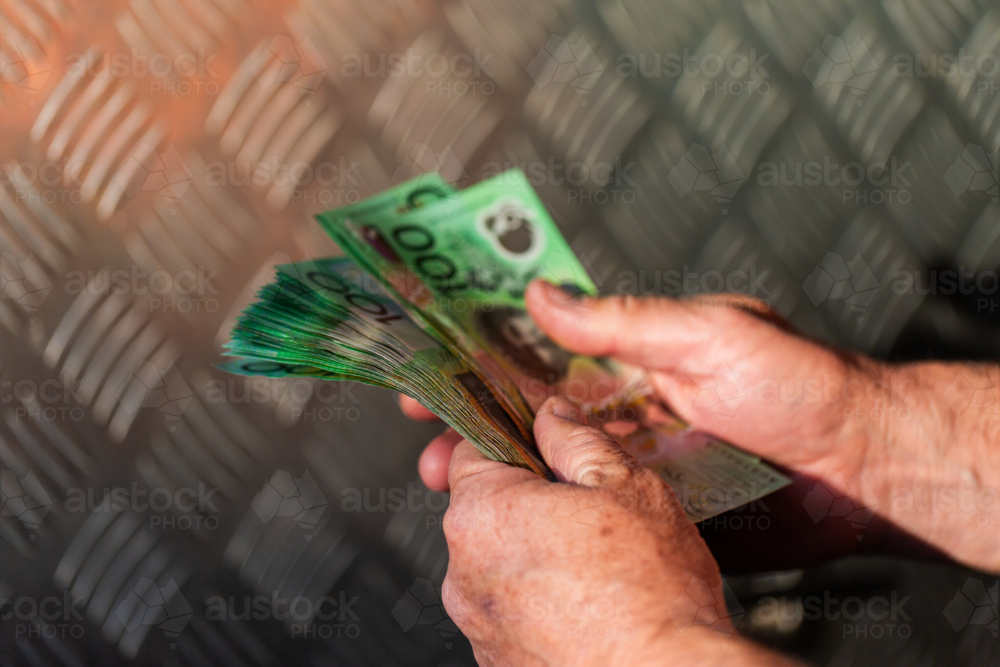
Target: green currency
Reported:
point(328, 326)
point(431, 304)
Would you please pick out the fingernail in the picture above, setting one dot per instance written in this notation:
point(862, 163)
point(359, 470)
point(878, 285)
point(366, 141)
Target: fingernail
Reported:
point(567, 295)
point(565, 409)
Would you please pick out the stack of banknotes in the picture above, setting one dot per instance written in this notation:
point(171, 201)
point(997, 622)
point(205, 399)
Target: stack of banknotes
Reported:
point(429, 302)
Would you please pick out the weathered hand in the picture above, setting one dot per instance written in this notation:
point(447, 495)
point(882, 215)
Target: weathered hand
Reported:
point(602, 568)
point(902, 459)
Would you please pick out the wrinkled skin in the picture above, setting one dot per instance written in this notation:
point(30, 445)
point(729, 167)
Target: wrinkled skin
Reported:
point(602, 568)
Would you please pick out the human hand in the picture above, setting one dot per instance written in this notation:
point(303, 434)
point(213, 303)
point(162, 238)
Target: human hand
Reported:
point(600, 569)
point(891, 442)
point(899, 445)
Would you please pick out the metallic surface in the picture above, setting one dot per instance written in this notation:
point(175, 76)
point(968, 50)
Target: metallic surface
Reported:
point(159, 156)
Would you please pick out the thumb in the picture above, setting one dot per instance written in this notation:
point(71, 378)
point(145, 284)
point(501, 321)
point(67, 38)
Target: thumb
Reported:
point(722, 364)
point(578, 453)
point(655, 333)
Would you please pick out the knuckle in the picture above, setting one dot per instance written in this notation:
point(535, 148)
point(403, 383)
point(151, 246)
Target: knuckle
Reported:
point(592, 474)
point(607, 470)
point(462, 613)
point(474, 611)
point(600, 459)
point(456, 523)
point(452, 597)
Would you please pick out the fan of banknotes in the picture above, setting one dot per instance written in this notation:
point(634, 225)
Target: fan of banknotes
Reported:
point(429, 302)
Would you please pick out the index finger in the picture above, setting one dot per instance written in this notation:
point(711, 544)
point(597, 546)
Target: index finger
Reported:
point(471, 469)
